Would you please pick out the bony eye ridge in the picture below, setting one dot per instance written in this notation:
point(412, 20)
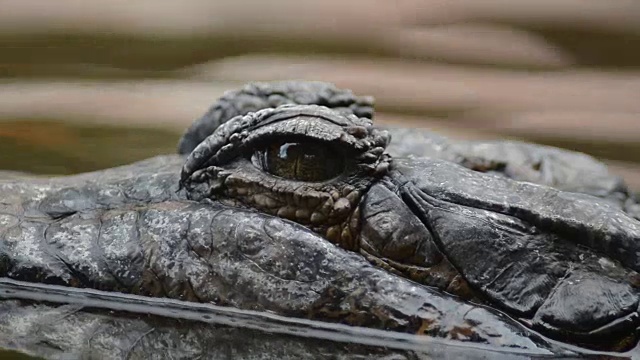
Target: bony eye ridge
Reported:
point(309, 161)
point(305, 163)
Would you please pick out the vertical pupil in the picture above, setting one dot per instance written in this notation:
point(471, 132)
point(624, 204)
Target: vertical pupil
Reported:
point(284, 149)
point(289, 160)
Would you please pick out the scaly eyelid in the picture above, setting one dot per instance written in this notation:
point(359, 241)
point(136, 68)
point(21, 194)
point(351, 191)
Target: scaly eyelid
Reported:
point(250, 146)
point(355, 136)
point(303, 129)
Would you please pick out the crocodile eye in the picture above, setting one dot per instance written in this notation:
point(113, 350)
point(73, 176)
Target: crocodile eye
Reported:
point(308, 161)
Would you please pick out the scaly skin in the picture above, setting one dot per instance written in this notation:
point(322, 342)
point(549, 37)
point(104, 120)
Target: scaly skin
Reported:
point(551, 258)
point(329, 208)
point(130, 230)
point(563, 262)
point(562, 169)
point(255, 96)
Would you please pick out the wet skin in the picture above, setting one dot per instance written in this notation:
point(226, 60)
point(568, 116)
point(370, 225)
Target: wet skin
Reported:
point(250, 219)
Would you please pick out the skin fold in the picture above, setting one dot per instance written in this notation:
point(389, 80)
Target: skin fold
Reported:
point(429, 236)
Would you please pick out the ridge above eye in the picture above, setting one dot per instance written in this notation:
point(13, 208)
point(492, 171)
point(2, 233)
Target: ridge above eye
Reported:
point(307, 160)
point(305, 163)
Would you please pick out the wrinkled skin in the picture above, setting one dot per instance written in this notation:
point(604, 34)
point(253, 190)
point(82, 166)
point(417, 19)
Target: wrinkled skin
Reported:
point(561, 260)
point(130, 230)
point(256, 96)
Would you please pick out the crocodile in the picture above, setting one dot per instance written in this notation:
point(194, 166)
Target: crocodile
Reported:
point(285, 198)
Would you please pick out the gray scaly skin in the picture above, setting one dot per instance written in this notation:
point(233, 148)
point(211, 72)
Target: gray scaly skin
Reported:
point(564, 170)
point(563, 262)
point(130, 230)
point(513, 245)
point(257, 96)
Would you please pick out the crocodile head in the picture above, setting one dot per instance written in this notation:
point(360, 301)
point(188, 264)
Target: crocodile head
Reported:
point(562, 263)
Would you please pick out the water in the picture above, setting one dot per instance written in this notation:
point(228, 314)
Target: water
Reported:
point(245, 332)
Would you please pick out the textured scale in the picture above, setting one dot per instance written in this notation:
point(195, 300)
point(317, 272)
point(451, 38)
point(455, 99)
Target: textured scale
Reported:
point(546, 235)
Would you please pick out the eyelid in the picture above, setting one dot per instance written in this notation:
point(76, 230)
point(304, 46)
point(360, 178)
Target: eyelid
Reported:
point(310, 111)
point(301, 129)
point(355, 136)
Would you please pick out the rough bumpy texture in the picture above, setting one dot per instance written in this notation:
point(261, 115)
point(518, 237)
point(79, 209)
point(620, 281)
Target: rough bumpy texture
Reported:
point(257, 96)
point(562, 169)
point(217, 168)
point(537, 252)
point(548, 236)
point(565, 261)
point(135, 234)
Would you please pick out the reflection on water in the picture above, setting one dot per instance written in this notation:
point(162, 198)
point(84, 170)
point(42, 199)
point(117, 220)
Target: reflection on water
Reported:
point(150, 327)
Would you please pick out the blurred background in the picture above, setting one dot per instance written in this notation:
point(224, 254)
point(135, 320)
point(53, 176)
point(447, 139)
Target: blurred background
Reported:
point(88, 86)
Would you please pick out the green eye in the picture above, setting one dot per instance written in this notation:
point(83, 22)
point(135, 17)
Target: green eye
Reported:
point(300, 161)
